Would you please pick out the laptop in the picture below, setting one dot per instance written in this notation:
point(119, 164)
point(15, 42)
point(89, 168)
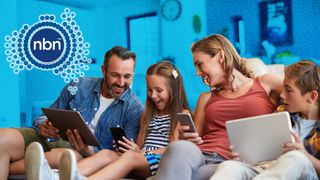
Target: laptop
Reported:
point(260, 138)
point(67, 119)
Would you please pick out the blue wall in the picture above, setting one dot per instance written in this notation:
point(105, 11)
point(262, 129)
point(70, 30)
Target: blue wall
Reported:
point(177, 37)
point(305, 24)
point(9, 93)
point(103, 24)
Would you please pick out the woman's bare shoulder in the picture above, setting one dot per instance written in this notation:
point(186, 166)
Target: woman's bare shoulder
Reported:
point(204, 98)
point(273, 84)
point(205, 95)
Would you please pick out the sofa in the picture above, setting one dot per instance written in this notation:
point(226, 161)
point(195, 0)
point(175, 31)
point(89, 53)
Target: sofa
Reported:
point(260, 68)
point(255, 64)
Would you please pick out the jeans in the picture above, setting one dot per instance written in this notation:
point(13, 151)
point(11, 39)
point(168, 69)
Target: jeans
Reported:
point(184, 160)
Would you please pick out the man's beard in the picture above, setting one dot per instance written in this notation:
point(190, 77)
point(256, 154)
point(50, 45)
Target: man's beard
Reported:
point(115, 95)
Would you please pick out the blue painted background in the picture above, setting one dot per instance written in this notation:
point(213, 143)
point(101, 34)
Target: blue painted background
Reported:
point(103, 23)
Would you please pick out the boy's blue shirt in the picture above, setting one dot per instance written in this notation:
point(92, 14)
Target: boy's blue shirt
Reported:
point(124, 112)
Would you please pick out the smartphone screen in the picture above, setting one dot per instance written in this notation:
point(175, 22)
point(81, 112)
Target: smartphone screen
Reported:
point(117, 134)
point(185, 119)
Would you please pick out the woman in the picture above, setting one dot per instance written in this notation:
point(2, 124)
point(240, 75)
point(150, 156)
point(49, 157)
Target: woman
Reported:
point(235, 93)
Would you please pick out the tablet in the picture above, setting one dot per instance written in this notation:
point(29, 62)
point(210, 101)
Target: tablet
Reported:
point(260, 138)
point(67, 119)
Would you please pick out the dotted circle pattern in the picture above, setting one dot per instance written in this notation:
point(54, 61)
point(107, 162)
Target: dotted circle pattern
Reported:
point(71, 64)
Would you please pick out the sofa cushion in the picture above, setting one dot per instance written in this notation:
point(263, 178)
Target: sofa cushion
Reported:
point(259, 68)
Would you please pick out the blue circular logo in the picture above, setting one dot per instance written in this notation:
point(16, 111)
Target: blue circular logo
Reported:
point(47, 45)
point(51, 46)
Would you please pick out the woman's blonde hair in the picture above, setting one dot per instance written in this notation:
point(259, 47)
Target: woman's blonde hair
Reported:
point(177, 100)
point(215, 43)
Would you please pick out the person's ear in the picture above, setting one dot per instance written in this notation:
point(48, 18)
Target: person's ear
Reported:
point(103, 69)
point(313, 97)
point(220, 56)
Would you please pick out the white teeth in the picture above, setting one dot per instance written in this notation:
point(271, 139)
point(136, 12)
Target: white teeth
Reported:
point(205, 80)
point(117, 89)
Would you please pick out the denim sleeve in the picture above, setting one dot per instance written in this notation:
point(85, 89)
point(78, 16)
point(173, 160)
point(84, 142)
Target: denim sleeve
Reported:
point(133, 121)
point(61, 103)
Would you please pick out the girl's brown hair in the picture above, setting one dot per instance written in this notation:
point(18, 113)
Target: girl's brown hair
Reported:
point(212, 44)
point(177, 101)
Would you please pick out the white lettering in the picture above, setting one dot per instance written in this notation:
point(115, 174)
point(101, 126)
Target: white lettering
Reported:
point(35, 45)
point(56, 43)
point(46, 45)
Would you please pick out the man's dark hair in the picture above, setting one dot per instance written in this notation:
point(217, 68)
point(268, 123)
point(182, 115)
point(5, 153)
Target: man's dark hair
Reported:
point(121, 52)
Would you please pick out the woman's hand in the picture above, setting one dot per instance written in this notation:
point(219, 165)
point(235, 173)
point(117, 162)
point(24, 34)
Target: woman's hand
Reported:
point(190, 136)
point(77, 143)
point(298, 145)
point(128, 145)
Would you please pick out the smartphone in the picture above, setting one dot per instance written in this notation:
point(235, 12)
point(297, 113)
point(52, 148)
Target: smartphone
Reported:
point(185, 119)
point(118, 133)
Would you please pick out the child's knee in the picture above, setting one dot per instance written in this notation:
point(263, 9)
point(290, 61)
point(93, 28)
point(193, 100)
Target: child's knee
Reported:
point(131, 155)
point(230, 165)
point(296, 156)
point(107, 154)
point(234, 170)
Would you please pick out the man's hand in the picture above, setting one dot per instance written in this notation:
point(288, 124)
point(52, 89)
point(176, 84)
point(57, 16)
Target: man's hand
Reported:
point(128, 145)
point(46, 130)
point(77, 143)
point(298, 145)
point(190, 136)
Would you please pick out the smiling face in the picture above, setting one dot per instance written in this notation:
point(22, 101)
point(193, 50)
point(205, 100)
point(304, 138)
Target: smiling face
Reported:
point(117, 76)
point(209, 68)
point(158, 92)
point(292, 97)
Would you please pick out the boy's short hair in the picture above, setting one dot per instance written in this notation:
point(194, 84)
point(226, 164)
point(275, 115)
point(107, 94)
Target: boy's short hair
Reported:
point(307, 75)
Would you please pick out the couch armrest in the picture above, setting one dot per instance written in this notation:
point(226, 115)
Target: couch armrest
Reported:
point(277, 69)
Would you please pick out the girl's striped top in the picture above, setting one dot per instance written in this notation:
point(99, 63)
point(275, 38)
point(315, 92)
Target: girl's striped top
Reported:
point(158, 133)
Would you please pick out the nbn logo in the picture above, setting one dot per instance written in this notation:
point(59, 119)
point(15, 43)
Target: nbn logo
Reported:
point(50, 45)
point(46, 45)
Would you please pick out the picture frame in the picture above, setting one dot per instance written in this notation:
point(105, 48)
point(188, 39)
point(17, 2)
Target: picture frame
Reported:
point(276, 22)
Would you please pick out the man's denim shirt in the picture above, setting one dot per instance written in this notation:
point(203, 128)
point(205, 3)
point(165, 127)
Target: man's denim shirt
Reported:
point(124, 112)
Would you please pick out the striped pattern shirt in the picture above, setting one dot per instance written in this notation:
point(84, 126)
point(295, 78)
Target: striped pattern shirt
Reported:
point(158, 133)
